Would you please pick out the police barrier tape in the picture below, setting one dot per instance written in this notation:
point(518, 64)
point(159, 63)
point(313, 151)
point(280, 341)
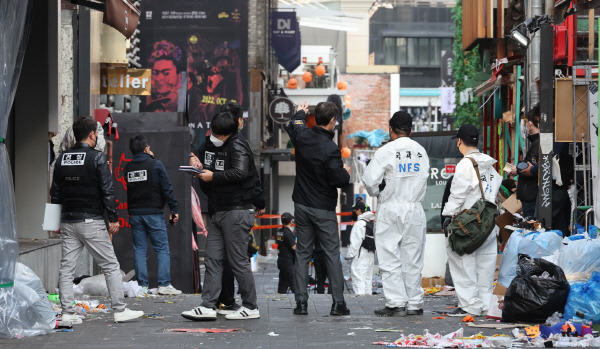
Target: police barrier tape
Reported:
point(277, 226)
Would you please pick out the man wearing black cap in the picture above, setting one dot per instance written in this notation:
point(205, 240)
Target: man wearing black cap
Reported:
point(286, 244)
point(472, 274)
point(319, 172)
point(398, 175)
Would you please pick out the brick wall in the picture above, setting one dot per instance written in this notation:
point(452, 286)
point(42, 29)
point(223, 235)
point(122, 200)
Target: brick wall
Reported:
point(370, 103)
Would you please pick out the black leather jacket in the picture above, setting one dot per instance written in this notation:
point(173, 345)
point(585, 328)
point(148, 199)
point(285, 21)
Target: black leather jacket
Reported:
point(85, 191)
point(235, 184)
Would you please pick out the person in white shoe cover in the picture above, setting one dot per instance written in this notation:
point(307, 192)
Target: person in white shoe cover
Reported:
point(472, 274)
point(397, 175)
point(82, 184)
point(148, 189)
point(229, 179)
point(362, 250)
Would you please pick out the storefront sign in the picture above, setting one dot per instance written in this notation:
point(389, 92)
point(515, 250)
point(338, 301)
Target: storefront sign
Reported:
point(281, 110)
point(122, 81)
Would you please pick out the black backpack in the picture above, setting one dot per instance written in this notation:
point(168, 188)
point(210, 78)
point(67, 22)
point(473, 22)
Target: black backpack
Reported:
point(369, 240)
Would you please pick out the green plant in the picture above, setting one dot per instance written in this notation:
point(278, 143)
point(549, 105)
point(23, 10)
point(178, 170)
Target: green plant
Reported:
point(464, 66)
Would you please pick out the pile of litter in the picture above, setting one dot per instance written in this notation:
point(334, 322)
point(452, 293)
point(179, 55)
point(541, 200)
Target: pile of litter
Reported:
point(559, 335)
point(451, 340)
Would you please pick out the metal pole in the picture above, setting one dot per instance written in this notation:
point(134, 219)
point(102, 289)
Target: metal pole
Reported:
point(546, 125)
point(534, 8)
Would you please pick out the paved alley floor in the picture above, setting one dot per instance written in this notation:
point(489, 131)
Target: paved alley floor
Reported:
point(317, 330)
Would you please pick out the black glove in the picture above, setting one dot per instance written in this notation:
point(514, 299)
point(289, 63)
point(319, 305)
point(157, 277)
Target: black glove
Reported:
point(382, 186)
point(445, 225)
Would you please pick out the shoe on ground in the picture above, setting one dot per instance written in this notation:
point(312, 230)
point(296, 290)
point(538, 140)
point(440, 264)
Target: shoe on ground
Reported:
point(200, 313)
point(414, 312)
point(228, 309)
point(74, 319)
point(168, 290)
point(244, 313)
point(127, 315)
point(301, 308)
point(391, 312)
point(460, 312)
point(339, 309)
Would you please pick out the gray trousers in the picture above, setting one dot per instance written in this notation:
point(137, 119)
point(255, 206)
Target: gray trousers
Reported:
point(94, 236)
point(311, 222)
point(227, 239)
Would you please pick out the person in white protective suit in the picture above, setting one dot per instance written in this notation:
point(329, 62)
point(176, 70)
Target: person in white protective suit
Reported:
point(472, 274)
point(397, 175)
point(362, 258)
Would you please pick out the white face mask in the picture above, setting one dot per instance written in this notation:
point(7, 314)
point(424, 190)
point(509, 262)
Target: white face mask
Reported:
point(217, 142)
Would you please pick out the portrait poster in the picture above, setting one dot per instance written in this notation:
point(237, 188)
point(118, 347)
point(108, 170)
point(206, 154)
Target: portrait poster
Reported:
point(196, 48)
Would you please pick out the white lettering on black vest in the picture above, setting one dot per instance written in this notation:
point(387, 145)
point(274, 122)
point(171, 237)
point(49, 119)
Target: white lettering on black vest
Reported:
point(137, 176)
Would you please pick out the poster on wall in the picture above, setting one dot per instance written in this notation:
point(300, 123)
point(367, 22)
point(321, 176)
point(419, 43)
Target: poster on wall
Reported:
point(195, 48)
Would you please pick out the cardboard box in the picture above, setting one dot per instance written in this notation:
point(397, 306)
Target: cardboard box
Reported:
point(503, 220)
point(432, 282)
point(511, 204)
point(496, 303)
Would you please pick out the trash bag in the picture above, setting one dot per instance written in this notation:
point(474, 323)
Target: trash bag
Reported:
point(541, 244)
point(539, 289)
point(583, 303)
point(26, 310)
point(579, 257)
point(510, 256)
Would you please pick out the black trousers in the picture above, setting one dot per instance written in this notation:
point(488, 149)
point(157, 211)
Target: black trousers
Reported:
point(227, 296)
point(320, 271)
point(286, 275)
point(561, 210)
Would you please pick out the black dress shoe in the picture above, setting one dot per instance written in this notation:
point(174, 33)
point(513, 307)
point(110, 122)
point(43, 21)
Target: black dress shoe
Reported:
point(391, 312)
point(414, 312)
point(301, 308)
point(339, 309)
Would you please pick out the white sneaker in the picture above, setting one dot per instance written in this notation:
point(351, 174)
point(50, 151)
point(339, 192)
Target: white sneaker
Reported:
point(127, 315)
point(168, 290)
point(200, 313)
point(230, 309)
point(74, 319)
point(244, 313)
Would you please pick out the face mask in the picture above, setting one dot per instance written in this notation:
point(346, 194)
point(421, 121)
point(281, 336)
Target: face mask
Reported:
point(217, 142)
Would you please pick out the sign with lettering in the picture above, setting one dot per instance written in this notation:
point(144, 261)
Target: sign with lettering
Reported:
point(122, 81)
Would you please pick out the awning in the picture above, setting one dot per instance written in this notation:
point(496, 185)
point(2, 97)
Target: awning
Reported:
point(319, 16)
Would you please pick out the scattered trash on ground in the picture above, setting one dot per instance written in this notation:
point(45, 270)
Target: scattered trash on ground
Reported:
point(272, 334)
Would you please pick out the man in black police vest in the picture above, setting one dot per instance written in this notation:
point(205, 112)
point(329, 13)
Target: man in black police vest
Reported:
point(229, 179)
point(148, 188)
point(82, 184)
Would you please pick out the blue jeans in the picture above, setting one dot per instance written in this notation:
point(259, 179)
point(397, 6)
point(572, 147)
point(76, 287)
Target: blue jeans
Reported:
point(151, 226)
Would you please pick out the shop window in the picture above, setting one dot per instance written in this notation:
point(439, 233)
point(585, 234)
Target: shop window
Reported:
point(414, 52)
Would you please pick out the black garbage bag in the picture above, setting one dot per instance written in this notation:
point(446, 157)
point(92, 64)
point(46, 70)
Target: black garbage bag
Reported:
point(539, 289)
